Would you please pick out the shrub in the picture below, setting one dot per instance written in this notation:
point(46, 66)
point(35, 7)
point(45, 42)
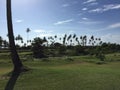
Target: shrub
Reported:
point(100, 56)
point(38, 48)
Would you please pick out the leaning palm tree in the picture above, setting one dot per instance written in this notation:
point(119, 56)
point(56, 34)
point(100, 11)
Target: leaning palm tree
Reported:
point(18, 66)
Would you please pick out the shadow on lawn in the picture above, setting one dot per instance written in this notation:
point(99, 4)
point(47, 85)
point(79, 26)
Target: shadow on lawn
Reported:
point(11, 83)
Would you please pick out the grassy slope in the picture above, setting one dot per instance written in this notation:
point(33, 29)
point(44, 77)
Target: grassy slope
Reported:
point(62, 75)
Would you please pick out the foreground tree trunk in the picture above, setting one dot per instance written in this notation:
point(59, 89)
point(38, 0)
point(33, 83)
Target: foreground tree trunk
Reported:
point(15, 57)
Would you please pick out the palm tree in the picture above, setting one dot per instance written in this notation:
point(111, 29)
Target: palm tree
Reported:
point(81, 38)
point(28, 30)
point(18, 66)
point(92, 40)
point(76, 39)
point(19, 39)
point(74, 36)
point(69, 37)
point(84, 40)
point(1, 41)
point(64, 39)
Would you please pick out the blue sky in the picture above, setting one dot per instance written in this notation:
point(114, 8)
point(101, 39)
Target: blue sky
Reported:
point(57, 17)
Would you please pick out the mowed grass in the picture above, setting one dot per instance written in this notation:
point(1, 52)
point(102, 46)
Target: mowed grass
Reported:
point(59, 74)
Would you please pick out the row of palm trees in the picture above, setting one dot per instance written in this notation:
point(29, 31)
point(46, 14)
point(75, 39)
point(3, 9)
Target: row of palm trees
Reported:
point(73, 40)
point(66, 40)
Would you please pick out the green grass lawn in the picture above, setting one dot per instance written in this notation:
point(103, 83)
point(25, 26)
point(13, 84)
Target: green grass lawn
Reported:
point(60, 74)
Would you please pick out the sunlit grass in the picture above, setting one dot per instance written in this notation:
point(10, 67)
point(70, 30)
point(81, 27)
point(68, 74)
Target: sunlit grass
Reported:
point(61, 74)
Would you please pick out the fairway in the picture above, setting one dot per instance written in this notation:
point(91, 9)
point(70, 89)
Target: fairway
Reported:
point(62, 75)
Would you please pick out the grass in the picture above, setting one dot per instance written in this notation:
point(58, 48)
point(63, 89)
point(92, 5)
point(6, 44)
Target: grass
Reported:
point(62, 74)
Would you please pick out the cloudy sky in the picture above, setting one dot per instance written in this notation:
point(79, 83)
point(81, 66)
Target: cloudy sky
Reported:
point(100, 18)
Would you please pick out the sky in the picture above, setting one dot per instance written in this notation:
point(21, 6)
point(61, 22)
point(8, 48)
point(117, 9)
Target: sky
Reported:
point(100, 18)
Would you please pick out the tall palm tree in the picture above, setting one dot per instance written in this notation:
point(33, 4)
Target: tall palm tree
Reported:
point(15, 57)
point(28, 30)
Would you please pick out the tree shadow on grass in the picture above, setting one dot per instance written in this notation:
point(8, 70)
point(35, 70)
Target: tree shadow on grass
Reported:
point(12, 81)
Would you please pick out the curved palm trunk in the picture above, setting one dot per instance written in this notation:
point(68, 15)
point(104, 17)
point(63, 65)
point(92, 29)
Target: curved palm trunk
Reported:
point(15, 57)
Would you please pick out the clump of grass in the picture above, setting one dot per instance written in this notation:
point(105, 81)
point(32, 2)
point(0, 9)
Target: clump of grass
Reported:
point(100, 62)
point(45, 59)
point(69, 59)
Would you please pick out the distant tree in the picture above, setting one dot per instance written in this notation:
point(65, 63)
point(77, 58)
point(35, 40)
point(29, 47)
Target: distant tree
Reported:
point(45, 40)
point(81, 38)
point(64, 39)
point(18, 66)
point(5, 44)
point(28, 30)
point(74, 36)
point(69, 37)
point(1, 41)
point(55, 38)
point(71, 42)
point(84, 40)
point(19, 39)
point(52, 40)
point(92, 41)
point(38, 48)
point(77, 40)
point(60, 39)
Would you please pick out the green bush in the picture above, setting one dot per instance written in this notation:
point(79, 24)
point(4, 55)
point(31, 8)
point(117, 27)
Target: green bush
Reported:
point(38, 48)
point(100, 56)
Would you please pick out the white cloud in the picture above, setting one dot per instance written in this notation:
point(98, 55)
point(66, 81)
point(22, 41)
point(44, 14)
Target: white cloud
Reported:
point(39, 31)
point(106, 8)
point(99, 10)
point(63, 22)
point(66, 5)
point(109, 27)
point(89, 1)
point(89, 22)
point(113, 38)
point(19, 21)
point(43, 33)
point(116, 25)
point(84, 9)
point(94, 3)
point(85, 18)
point(71, 31)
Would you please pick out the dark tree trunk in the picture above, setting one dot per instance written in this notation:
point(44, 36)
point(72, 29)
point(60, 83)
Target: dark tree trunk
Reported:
point(15, 57)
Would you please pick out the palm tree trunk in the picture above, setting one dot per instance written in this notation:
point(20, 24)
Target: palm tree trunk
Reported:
point(15, 57)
